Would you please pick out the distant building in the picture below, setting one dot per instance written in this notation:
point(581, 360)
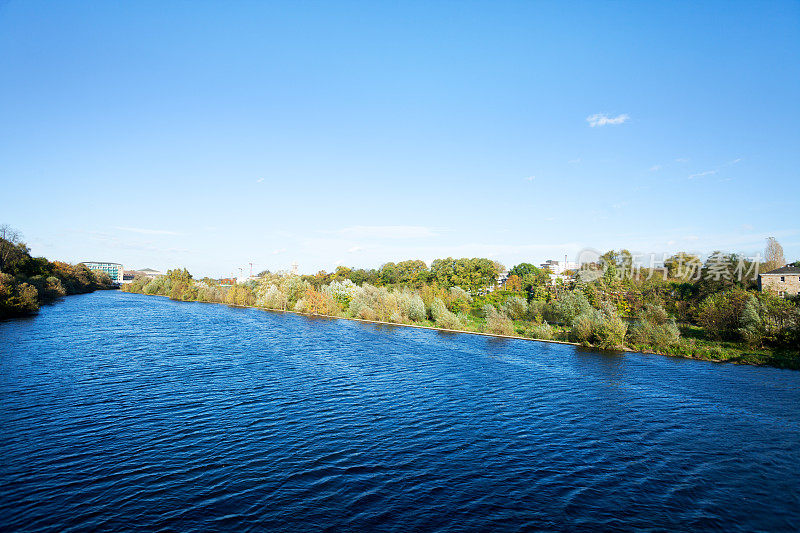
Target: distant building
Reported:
point(784, 281)
point(150, 273)
point(558, 267)
point(502, 277)
point(129, 275)
point(114, 270)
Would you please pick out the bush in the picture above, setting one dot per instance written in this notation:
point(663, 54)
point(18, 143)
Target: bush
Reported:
point(498, 324)
point(240, 295)
point(542, 331)
point(443, 317)
point(769, 319)
point(416, 311)
point(411, 305)
point(601, 328)
point(515, 308)
point(459, 300)
point(654, 328)
point(537, 310)
point(271, 297)
point(17, 298)
point(569, 306)
point(342, 291)
point(721, 313)
point(375, 303)
point(54, 288)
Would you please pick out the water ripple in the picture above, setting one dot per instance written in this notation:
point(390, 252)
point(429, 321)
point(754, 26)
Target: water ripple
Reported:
point(124, 411)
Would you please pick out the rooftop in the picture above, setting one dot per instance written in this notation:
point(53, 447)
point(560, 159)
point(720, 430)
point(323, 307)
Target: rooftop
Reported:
point(788, 269)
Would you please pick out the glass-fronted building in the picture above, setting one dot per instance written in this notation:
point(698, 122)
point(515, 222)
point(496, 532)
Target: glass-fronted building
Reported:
point(114, 270)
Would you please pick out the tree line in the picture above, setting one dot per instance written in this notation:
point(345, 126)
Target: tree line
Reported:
point(26, 282)
point(694, 312)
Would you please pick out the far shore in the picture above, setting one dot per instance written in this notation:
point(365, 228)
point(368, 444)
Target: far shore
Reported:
point(481, 333)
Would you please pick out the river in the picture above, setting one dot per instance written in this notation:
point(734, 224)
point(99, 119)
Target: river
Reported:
point(123, 411)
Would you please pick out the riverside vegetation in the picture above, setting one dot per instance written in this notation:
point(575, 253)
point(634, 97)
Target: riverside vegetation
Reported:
point(26, 283)
point(666, 312)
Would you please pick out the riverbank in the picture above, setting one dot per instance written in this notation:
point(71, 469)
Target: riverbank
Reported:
point(708, 352)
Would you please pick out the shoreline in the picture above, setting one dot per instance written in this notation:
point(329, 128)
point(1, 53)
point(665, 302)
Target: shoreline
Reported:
point(620, 351)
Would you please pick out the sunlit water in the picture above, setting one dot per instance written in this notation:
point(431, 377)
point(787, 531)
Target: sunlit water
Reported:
point(122, 411)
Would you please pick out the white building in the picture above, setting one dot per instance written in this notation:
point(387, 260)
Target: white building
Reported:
point(114, 270)
point(559, 267)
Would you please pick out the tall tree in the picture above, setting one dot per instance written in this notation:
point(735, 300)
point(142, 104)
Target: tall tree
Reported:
point(773, 255)
point(11, 246)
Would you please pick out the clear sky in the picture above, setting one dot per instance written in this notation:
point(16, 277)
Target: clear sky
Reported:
point(213, 134)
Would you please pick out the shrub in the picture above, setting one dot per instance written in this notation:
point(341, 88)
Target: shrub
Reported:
point(411, 305)
point(498, 324)
point(720, 314)
point(537, 310)
point(583, 327)
point(416, 310)
point(653, 327)
point(542, 331)
point(294, 287)
point(375, 303)
point(459, 300)
point(239, 295)
point(515, 308)
point(54, 287)
point(272, 297)
point(17, 298)
point(569, 306)
point(443, 317)
point(342, 291)
point(319, 303)
point(601, 328)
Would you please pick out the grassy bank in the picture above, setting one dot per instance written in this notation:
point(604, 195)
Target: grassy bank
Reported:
point(689, 348)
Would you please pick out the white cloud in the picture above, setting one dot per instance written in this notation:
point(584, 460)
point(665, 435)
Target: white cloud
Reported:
point(388, 232)
point(354, 249)
point(601, 119)
point(278, 251)
point(655, 168)
point(692, 238)
point(701, 174)
point(259, 180)
point(682, 160)
point(146, 231)
point(530, 178)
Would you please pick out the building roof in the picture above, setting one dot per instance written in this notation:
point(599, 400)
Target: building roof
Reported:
point(147, 270)
point(100, 263)
point(788, 269)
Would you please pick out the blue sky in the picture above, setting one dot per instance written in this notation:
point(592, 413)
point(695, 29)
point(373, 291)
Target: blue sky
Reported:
point(213, 134)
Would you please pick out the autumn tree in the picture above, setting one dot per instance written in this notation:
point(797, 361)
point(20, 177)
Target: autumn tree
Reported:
point(12, 249)
point(773, 255)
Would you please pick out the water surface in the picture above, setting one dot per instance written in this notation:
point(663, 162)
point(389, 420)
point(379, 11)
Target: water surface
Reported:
point(124, 411)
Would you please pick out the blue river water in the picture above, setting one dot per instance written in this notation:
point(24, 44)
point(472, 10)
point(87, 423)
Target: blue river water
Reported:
point(123, 412)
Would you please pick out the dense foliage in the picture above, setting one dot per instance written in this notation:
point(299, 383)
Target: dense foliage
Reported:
point(28, 282)
point(683, 309)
